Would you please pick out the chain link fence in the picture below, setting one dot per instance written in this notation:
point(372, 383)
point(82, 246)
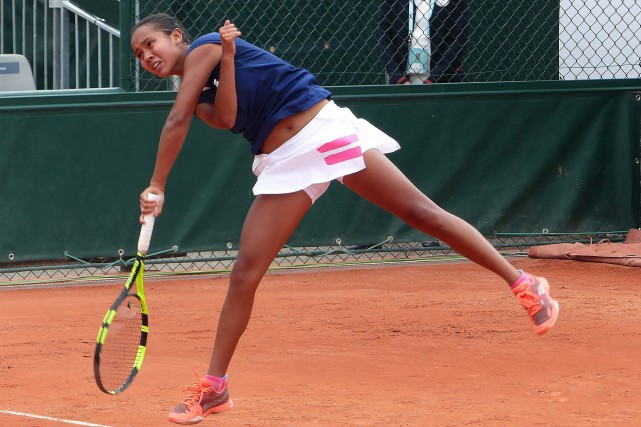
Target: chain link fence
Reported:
point(169, 262)
point(358, 42)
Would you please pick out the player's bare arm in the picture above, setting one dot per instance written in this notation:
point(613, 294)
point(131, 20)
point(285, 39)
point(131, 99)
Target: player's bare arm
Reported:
point(226, 103)
point(197, 68)
point(222, 113)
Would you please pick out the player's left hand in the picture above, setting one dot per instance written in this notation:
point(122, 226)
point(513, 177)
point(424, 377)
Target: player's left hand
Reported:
point(228, 35)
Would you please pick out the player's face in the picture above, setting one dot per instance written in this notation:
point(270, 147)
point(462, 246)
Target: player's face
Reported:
point(160, 54)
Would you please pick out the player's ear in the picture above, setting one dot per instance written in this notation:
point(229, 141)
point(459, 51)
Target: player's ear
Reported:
point(177, 35)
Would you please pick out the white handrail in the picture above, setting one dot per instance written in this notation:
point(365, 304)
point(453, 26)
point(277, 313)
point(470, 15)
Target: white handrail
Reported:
point(99, 22)
point(67, 47)
point(63, 43)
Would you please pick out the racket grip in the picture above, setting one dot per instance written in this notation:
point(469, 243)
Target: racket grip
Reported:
point(147, 228)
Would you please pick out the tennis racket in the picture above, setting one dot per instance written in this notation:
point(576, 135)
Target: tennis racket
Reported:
point(122, 339)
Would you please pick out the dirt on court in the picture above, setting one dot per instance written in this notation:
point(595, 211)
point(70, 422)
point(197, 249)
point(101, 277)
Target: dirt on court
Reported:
point(421, 344)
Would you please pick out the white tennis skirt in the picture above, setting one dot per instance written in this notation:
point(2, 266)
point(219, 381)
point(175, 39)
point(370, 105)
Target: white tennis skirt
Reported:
point(329, 147)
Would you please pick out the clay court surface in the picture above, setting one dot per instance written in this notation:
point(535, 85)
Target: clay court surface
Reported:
point(420, 344)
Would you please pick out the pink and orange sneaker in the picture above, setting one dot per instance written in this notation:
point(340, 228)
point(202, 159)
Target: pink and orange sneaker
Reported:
point(534, 295)
point(204, 400)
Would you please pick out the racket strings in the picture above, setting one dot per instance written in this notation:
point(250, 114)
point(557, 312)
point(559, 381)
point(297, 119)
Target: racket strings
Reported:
point(120, 349)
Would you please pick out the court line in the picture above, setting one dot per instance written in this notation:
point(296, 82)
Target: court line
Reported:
point(42, 417)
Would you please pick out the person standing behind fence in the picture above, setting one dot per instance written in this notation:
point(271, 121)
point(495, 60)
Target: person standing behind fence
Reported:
point(393, 16)
point(301, 141)
point(448, 30)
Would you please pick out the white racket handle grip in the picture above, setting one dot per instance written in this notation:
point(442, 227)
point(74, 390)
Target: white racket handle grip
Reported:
point(147, 228)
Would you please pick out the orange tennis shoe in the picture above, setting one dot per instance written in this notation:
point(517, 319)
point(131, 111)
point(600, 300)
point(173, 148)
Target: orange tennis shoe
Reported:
point(204, 400)
point(534, 295)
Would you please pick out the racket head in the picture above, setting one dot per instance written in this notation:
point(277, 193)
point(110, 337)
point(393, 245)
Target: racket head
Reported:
point(122, 340)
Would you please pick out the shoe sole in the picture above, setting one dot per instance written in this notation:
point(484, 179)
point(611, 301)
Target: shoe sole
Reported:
point(546, 326)
point(215, 410)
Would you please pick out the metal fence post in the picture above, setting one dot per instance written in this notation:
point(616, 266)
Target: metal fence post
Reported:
point(125, 36)
point(60, 45)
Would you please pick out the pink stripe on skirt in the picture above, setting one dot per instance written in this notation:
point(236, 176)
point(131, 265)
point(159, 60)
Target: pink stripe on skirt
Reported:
point(343, 156)
point(337, 143)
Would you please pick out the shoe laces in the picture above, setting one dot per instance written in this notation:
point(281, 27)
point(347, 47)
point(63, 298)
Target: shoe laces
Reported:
point(529, 299)
point(197, 389)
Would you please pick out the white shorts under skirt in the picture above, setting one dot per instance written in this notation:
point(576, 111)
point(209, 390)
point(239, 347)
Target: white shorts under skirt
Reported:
point(329, 147)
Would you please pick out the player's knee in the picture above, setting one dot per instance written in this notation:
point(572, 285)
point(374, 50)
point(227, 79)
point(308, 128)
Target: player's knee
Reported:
point(244, 278)
point(426, 217)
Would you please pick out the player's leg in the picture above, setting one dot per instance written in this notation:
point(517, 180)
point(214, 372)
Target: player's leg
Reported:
point(385, 185)
point(269, 224)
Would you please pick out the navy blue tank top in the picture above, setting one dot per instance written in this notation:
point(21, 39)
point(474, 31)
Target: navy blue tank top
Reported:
point(268, 89)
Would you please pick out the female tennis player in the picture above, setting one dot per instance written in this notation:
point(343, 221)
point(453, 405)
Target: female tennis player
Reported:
point(301, 141)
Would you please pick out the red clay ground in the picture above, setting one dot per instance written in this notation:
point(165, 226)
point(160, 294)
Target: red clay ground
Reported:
point(402, 345)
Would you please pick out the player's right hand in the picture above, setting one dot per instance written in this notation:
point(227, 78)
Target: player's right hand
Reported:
point(151, 206)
